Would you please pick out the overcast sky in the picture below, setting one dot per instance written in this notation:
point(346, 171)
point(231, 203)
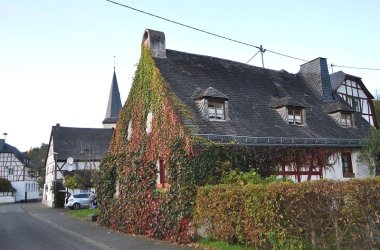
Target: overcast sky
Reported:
point(56, 57)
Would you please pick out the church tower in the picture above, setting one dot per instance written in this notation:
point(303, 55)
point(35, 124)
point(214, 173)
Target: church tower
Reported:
point(114, 104)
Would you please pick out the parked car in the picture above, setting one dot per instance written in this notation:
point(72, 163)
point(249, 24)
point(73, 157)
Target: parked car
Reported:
point(77, 201)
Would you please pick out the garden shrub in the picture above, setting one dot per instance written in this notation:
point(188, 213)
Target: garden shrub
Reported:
point(5, 185)
point(316, 215)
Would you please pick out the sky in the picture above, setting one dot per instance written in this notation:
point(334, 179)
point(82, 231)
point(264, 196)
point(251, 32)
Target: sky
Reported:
point(57, 57)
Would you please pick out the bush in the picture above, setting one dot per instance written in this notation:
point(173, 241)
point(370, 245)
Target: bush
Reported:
point(315, 215)
point(5, 185)
point(250, 177)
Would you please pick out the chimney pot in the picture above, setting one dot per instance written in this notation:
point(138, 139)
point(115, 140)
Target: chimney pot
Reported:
point(155, 41)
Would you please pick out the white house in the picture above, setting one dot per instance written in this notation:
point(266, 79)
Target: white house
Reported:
point(77, 150)
point(15, 166)
point(72, 150)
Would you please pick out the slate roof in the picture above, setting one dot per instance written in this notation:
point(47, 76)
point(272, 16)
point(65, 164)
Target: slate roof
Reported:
point(7, 148)
point(253, 93)
point(74, 142)
point(114, 102)
point(211, 92)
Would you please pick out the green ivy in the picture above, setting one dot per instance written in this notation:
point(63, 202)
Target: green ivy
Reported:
point(142, 208)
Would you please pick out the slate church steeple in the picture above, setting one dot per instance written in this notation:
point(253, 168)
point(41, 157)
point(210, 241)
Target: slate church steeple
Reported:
point(114, 104)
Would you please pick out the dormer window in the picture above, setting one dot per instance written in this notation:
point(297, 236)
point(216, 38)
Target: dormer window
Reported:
point(212, 104)
point(216, 110)
point(295, 116)
point(346, 119)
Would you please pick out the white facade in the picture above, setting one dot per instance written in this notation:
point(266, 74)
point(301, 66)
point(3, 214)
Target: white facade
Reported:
point(359, 170)
point(336, 170)
point(54, 172)
point(12, 169)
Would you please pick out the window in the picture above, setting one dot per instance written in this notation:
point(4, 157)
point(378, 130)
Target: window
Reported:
point(215, 111)
point(117, 189)
point(356, 104)
point(149, 119)
point(345, 119)
point(162, 173)
point(347, 165)
point(295, 116)
point(10, 171)
point(129, 135)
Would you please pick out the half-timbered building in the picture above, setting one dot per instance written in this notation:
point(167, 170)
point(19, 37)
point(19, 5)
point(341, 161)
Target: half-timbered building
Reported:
point(78, 150)
point(236, 104)
point(351, 89)
point(15, 166)
point(72, 150)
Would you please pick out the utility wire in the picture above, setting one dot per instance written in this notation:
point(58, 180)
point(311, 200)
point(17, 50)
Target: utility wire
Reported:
point(292, 57)
point(260, 48)
point(184, 25)
point(352, 67)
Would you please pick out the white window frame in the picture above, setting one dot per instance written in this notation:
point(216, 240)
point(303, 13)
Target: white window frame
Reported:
point(218, 109)
point(292, 118)
point(346, 119)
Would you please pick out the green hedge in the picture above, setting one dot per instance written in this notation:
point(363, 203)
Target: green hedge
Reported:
point(5, 185)
point(311, 215)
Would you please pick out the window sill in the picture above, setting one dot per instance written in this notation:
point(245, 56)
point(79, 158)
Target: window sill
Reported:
point(163, 185)
point(216, 120)
point(349, 175)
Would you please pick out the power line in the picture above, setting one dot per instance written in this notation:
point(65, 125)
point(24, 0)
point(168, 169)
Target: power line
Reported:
point(260, 48)
point(352, 67)
point(182, 24)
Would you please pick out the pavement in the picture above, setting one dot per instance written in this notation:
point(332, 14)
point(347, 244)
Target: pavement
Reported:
point(92, 233)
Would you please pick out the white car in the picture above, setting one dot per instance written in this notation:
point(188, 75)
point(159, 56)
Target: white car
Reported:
point(77, 201)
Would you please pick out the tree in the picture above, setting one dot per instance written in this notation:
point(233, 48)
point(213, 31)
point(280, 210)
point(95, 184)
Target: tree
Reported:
point(370, 152)
point(38, 158)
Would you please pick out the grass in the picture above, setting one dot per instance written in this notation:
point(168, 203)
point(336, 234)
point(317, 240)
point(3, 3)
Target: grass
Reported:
point(220, 245)
point(83, 213)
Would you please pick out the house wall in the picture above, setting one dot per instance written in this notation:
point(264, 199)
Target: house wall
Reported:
point(20, 179)
point(336, 173)
point(50, 176)
point(48, 194)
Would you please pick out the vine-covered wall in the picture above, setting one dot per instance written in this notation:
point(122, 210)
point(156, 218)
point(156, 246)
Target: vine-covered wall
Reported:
point(141, 207)
point(166, 213)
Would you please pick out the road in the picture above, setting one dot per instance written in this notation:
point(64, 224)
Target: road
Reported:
point(33, 226)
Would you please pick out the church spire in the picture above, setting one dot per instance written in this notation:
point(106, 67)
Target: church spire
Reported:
point(114, 104)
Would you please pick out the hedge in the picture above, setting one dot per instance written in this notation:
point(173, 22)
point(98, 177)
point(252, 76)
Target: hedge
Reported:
point(5, 185)
point(312, 215)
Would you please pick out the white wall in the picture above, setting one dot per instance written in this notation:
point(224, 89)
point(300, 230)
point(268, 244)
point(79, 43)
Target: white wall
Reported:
point(48, 194)
point(336, 173)
point(30, 187)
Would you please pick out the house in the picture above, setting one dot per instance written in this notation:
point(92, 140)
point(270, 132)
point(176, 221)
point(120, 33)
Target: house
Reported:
point(190, 118)
point(15, 166)
point(354, 92)
point(77, 151)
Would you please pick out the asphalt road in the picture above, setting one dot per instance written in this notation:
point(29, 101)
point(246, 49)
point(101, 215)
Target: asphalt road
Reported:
point(34, 226)
point(19, 230)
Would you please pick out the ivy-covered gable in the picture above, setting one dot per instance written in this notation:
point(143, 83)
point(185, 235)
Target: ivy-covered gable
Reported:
point(140, 206)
